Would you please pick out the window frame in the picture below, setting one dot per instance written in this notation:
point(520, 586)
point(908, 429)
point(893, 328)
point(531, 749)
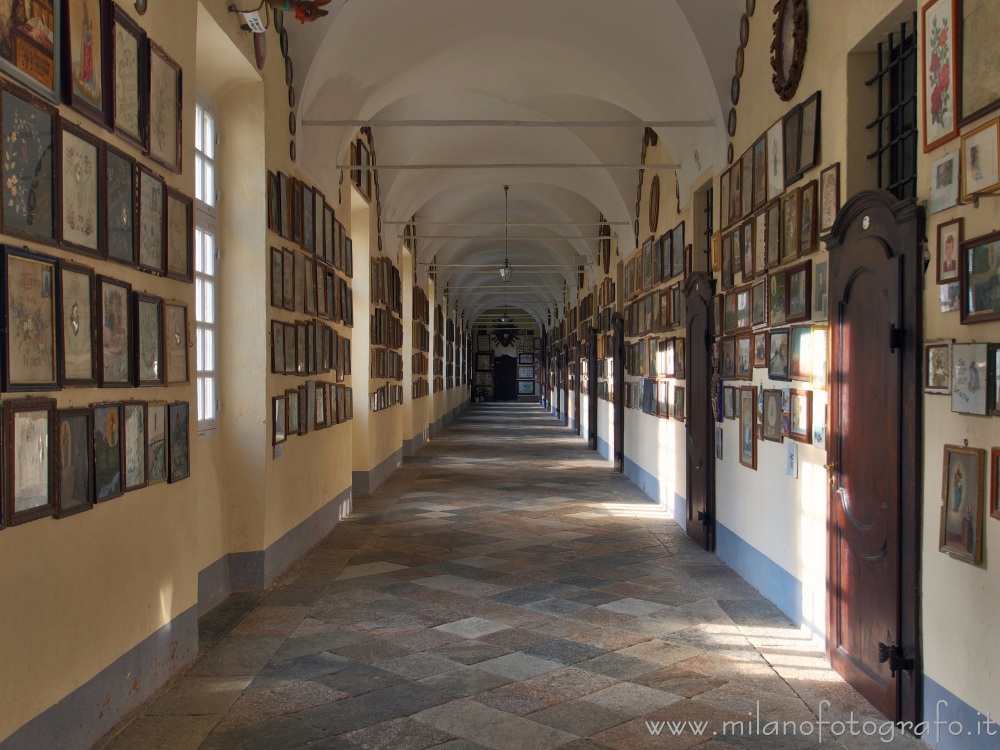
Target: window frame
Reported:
point(207, 223)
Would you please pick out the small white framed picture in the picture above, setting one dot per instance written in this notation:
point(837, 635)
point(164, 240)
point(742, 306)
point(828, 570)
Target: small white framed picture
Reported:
point(944, 182)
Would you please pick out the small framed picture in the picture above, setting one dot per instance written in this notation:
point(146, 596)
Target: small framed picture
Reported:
point(179, 236)
point(152, 196)
point(178, 445)
point(148, 327)
point(772, 416)
point(678, 403)
point(175, 342)
point(772, 254)
point(292, 410)
point(819, 346)
point(134, 437)
point(775, 161)
point(963, 481)
point(74, 461)
point(777, 354)
point(109, 453)
point(937, 366)
point(995, 483)
point(791, 224)
point(156, 442)
point(792, 137)
point(760, 172)
point(119, 205)
point(748, 426)
point(820, 401)
point(279, 416)
point(981, 160)
point(273, 203)
point(165, 99)
point(744, 357)
point(829, 197)
point(30, 322)
point(277, 278)
point(810, 134)
point(798, 293)
point(82, 215)
point(526, 359)
point(800, 408)
point(729, 402)
point(28, 441)
point(944, 182)
point(941, 77)
point(760, 349)
point(800, 360)
point(949, 242)
point(129, 61)
point(32, 52)
point(747, 161)
point(728, 367)
point(807, 214)
point(972, 379)
point(821, 300)
point(979, 269)
point(948, 296)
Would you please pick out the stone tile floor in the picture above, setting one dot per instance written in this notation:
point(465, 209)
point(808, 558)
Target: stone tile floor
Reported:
point(507, 590)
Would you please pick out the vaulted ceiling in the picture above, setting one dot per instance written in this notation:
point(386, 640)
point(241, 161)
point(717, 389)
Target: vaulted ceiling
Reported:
point(567, 63)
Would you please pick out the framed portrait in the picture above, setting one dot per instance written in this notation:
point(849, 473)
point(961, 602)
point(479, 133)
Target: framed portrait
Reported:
point(937, 366)
point(525, 387)
point(949, 242)
point(980, 79)
point(179, 233)
point(772, 416)
point(175, 342)
point(87, 66)
point(791, 224)
point(292, 410)
point(27, 169)
point(748, 426)
point(119, 206)
point(792, 130)
point(807, 218)
point(156, 442)
point(82, 215)
point(279, 420)
point(758, 303)
point(776, 310)
point(152, 195)
point(108, 451)
point(74, 460)
point(744, 357)
point(980, 159)
point(777, 354)
point(800, 353)
point(774, 228)
point(829, 197)
point(798, 294)
point(114, 332)
point(775, 160)
point(728, 366)
point(760, 349)
point(963, 479)
point(29, 426)
point(178, 455)
point(129, 60)
point(77, 331)
point(819, 350)
point(940, 72)
point(165, 105)
point(995, 483)
point(148, 327)
point(134, 438)
point(31, 361)
point(944, 182)
point(800, 423)
point(747, 163)
point(32, 49)
point(809, 142)
point(972, 379)
point(729, 402)
point(979, 270)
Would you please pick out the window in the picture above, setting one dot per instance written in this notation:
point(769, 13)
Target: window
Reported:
point(896, 125)
point(206, 256)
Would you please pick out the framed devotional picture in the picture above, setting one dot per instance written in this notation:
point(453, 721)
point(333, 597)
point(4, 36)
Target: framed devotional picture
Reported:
point(74, 458)
point(134, 438)
point(82, 165)
point(77, 294)
point(971, 379)
point(30, 353)
point(114, 329)
point(165, 108)
point(979, 269)
point(148, 327)
point(179, 236)
point(979, 79)
point(963, 479)
point(940, 72)
point(128, 66)
point(108, 451)
point(152, 194)
point(31, 52)
point(87, 66)
point(937, 366)
point(829, 197)
point(981, 160)
point(29, 432)
point(748, 426)
point(175, 342)
point(120, 190)
point(179, 459)
point(156, 442)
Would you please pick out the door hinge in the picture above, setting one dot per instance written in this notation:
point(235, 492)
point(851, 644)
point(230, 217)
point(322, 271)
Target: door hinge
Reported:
point(895, 338)
point(893, 654)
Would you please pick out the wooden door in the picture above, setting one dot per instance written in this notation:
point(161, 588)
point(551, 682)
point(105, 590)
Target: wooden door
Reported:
point(874, 450)
point(564, 401)
point(505, 379)
point(592, 389)
point(700, 483)
point(578, 392)
point(618, 386)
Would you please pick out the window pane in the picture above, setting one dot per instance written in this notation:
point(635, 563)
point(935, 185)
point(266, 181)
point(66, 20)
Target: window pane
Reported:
point(200, 345)
point(209, 196)
point(201, 399)
point(197, 127)
point(208, 267)
point(199, 186)
point(209, 144)
point(209, 398)
point(198, 241)
point(209, 302)
point(199, 311)
point(209, 350)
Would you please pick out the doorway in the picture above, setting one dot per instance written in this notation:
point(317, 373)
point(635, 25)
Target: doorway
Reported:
point(873, 545)
point(592, 389)
point(618, 390)
point(700, 482)
point(505, 379)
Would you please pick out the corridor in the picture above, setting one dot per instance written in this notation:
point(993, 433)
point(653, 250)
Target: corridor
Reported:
point(505, 589)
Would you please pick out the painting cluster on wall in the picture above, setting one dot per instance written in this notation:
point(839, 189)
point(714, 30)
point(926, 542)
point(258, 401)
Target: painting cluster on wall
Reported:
point(314, 405)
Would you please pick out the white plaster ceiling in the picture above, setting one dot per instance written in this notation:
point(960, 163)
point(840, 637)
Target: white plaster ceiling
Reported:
point(555, 60)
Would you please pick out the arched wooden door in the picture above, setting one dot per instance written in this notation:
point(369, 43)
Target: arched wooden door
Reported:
point(700, 437)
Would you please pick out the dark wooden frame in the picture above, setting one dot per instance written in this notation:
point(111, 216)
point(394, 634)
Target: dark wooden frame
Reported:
point(26, 255)
point(739, 404)
point(995, 483)
point(777, 437)
point(160, 270)
point(100, 182)
point(116, 405)
point(150, 406)
point(188, 204)
point(88, 415)
point(807, 395)
point(123, 19)
point(805, 268)
point(771, 335)
point(277, 325)
point(835, 169)
point(126, 487)
point(956, 74)
point(296, 198)
point(156, 50)
point(797, 373)
point(280, 279)
point(791, 124)
point(808, 161)
point(133, 209)
point(809, 244)
point(791, 253)
point(66, 381)
point(103, 28)
point(167, 380)
point(786, 87)
point(968, 317)
point(139, 298)
point(12, 517)
point(187, 440)
point(285, 206)
point(275, 440)
point(976, 556)
point(960, 117)
point(775, 228)
point(292, 392)
point(127, 317)
point(273, 202)
point(7, 87)
point(736, 355)
point(318, 424)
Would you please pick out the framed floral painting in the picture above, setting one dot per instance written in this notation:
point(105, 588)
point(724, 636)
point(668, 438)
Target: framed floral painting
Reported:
point(940, 72)
point(86, 67)
point(165, 104)
point(83, 174)
point(31, 361)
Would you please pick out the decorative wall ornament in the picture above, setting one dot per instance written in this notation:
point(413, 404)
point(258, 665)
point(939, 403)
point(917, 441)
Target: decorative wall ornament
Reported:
point(788, 48)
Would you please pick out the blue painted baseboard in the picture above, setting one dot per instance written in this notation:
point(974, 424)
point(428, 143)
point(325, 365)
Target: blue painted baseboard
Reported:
point(603, 448)
point(971, 732)
point(654, 489)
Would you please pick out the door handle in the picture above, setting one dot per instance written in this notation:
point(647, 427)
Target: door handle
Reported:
point(833, 469)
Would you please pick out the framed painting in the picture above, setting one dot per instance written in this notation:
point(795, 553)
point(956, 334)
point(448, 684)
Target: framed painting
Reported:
point(134, 437)
point(679, 407)
point(175, 342)
point(31, 47)
point(829, 197)
point(981, 160)
point(728, 273)
point(791, 224)
point(759, 243)
point(760, 349)
point(971, 379)
point(810, 134)
point(735, 192)
point(979, 271)
point(729, 402)
point(292, 410)
point(724, 199)
point(800, 353)
point(484, 362)
point(743, 313)
point(718, 302)
point(29, 467)
point(329, 234)
point(296, 191)
point(776, 310)
point(321, 416)
point(746, 195)
point(273, 202)
point(744, 357)
point(963, 479)
point(777, 354)
point(299, 282)
point(728, 365)
point(277, 279)
point(949, 242)
point(119, 206)
point(285, 204)
point(940, 72)
point(165, 108)
point(748, 426)
point(279, 420)
point(775, 160)
point(77, 291)
point(677, 260)
point(937, 366)
point(87, 66)
point(807, 218)
point(944, 182)
point(758, 304)
point(819, 348)
point(308, 218)
point(526, 387)
point(738, 249)
point(82, 214)
point(798, 293)
point(109, 451)
point(526, 359)
point(30, 181)
point(31, 354)
point(792, 136)
point(114, 332)
point(995, 483)
point(288, 279)
point(980, 79)
point(800, 422)
point(179, 236)
point(129, 61)
point(74, 480)
point(156, 442)
point(148, 327)
point(760, 172)
point(747, 237)
point(772, 416)
point(680, 359)
point(179, 458)
point(772, 253)
point(152, 196)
